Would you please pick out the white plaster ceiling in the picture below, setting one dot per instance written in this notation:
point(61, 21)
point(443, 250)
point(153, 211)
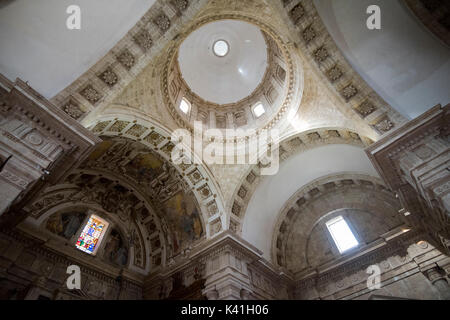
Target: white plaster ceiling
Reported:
point(36, 46)
point(227, 79)
point(274, 191)
point(403, 62)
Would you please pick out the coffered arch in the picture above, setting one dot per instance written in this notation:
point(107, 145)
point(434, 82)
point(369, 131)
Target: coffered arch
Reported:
point(157, 138)
point(297, 171)
point(288, 147)
point(300, 240)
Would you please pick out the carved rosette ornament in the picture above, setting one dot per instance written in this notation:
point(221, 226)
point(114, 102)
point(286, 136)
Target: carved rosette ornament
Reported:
point(349, 92)
point(384, 125)
point(334, 73)
point(321, 54)
point(109, 77)
point(365, 108)
point(297, 13)
point(309, 34)
point(163, 22)
point(73, 110)
point(181, 4)
point(144, 40)
point(126, 59)
point(90, 94)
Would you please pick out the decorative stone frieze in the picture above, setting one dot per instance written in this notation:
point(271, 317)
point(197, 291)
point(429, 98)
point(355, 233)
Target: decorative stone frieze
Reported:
point(51, 275)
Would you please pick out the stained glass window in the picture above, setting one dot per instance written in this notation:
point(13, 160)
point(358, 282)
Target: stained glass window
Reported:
point(90, 237)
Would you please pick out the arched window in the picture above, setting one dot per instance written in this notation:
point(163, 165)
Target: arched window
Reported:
point(185, 106)
point(92, 235)
point(258, 110)
point(342, 235)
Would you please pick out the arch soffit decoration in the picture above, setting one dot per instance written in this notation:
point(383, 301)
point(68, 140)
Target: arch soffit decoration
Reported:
point(158, 139)
point(297, 208)
point(289, 146)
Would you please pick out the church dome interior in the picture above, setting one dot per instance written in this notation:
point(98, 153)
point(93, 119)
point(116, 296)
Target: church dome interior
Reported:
point(224, 150)
point(223, 61)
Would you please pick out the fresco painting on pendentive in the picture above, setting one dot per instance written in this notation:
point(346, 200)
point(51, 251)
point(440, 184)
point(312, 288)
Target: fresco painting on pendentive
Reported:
point(183, 217)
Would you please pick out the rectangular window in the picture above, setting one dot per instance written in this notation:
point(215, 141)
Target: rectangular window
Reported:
point(259, 110)
point(92, 234)
point(342, 235)
point(184, 106)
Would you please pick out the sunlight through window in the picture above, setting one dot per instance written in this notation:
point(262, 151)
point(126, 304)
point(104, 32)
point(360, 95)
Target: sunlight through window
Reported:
point(184, 106)
point(258, 110)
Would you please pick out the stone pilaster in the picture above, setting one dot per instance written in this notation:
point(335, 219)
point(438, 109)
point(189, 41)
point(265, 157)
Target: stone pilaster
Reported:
point(226, 274)
point(230, 268)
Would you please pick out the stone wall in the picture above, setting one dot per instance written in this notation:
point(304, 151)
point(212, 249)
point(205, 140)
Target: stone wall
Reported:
point(31, 270)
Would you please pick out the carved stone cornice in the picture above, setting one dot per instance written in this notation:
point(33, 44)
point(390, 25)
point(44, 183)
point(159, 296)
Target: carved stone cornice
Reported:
point(384, 152)
point(37, 141)
point(37, 111)
point(396, 246)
